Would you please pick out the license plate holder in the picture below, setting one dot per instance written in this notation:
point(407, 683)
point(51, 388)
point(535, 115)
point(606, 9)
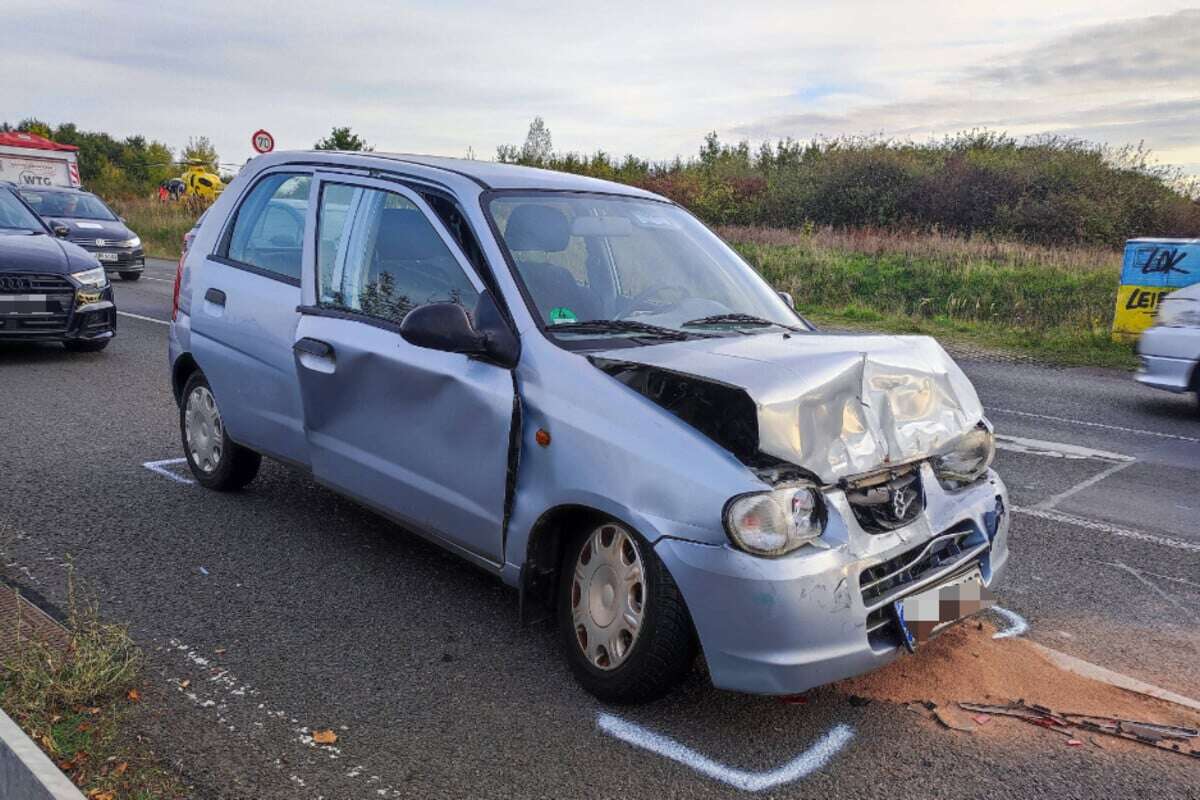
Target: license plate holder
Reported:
point(922, 615)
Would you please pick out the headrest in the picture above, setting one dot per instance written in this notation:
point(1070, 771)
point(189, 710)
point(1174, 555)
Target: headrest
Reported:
point(405, 235)
point(534, 227)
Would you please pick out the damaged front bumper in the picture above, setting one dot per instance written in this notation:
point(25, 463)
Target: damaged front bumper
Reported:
point(781, 626)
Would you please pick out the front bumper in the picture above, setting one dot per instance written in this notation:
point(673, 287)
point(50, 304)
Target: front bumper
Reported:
point(1169, 358)
point(782, 626)
point(66, 318)
point(119, 259)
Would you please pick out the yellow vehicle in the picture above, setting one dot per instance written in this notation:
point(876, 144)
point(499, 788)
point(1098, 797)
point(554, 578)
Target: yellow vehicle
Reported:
point(199, 182)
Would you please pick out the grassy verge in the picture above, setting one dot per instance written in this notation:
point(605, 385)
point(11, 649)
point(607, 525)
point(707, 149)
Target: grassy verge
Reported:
point(79, 702)
point(161, 225)
point(1052, 304)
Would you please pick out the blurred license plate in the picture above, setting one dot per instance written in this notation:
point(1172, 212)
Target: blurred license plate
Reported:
point(107, 256)
point(925, 613)
point(25, 304)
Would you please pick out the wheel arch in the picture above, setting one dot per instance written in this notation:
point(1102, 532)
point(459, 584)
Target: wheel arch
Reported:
point(181, 371)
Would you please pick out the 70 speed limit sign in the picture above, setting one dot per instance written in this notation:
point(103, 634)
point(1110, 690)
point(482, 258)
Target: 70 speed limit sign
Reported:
point(262, 141)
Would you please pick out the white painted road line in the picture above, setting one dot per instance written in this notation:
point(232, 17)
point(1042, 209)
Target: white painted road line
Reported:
point(1016, 624)
point(145, 319)
point(812, 759)
point(160, 468)
point(160, 280)
point(1104, 527)
point(1040, 447)
point(1138, 431)
point(1051, 502)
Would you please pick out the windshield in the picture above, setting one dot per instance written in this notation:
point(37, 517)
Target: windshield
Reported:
point(72, 205)
point(632, 264)
point(15, 216)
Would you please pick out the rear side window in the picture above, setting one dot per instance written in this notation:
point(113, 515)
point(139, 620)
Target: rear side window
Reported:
point(378, 254)
point(268, 232)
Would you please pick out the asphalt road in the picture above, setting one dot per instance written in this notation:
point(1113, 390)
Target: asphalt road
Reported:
point(289, 609)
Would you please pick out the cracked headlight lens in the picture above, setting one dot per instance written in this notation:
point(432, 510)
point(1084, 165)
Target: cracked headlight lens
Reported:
point(776, 522)
point(94, 278)
point(967, 460)
point(1179, 312)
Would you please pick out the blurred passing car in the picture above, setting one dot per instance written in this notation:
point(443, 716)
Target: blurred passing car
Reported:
point(90, 224)
point(1170, 350)
point(50, 290)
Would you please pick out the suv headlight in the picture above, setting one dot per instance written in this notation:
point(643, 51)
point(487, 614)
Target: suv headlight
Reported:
point(134, 242)
point(94, 278)
point(968, 458)
point(776, 522)
point(1179, 312)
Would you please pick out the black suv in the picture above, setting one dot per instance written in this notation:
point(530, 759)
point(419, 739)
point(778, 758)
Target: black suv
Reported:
point(50, 290)
point(90, 224)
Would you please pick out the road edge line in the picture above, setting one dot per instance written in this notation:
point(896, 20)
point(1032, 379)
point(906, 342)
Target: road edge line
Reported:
point(25, 769)
point(1096, 672)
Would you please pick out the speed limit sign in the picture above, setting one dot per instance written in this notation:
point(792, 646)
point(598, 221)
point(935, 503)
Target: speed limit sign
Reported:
point(262, 141)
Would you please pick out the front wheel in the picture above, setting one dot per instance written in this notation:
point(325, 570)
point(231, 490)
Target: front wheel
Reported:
point(622, 621)
point(216, 461)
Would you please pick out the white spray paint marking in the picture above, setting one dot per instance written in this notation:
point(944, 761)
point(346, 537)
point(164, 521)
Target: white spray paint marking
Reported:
point(1051, 502)
point(812, 759)
point(160, 468)
point(1016, 624)
point(1039, 447)
point(1087, 424)
point(227, 691)
point(1104, 527)
point(145, 319)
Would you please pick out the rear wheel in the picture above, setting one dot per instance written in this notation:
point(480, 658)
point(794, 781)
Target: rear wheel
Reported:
point(623, 624)
point(130, 276)
point(216, 461)
point(77, 346)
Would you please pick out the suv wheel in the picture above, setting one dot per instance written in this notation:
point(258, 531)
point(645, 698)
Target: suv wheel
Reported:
point(130, 276)
point(216, 460)
point(622, 621)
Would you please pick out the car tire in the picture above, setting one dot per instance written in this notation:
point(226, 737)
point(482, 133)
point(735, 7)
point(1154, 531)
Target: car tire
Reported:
point(130, 276)
point(609, 572)
point(86, 346)
point(216, 461)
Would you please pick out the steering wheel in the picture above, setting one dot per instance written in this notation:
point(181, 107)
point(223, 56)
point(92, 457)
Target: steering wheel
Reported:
point(639, 302)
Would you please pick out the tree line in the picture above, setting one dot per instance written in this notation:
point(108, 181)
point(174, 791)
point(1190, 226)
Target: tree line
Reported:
point(1045, 189)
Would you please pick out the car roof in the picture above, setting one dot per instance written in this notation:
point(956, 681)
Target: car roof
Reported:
point(487, 174)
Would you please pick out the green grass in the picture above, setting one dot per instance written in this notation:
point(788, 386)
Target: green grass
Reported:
point(161, 225)
point(78, 704)
point(1051, 304)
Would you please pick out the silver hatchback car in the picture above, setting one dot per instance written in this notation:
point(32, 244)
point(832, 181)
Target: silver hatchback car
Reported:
point(578, 387)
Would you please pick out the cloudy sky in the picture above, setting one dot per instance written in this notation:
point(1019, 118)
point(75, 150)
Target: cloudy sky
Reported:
point(644, 77)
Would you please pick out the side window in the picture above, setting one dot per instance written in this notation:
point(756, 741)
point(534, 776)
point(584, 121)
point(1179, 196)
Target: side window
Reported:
point(388, 261)
point(268, 232)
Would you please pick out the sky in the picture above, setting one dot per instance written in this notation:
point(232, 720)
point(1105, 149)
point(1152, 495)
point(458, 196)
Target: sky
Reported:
point(649, 78)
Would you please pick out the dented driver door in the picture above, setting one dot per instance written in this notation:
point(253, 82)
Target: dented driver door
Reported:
point(418, 434)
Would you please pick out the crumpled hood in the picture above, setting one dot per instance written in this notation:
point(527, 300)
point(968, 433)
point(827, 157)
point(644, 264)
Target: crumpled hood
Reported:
point(836, 405)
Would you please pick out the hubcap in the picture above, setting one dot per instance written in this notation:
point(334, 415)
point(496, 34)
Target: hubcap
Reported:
point(202, 426)
point(608, 596)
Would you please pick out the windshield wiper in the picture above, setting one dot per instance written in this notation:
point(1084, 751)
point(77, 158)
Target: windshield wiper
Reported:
point(738, 319)
point(622, 326)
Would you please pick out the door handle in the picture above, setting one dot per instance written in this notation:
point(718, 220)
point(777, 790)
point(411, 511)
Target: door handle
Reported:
point(313, 347)
point(215, 296)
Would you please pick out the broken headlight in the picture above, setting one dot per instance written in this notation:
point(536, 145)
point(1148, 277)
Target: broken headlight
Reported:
point(1179, 312)
point(776, 522)
point(968, 458)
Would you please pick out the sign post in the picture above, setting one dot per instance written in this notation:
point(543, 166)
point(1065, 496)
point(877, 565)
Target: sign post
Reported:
point(262, 142)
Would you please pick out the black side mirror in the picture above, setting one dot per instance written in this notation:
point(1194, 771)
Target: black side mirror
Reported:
point(60, 230)
point(448, 327)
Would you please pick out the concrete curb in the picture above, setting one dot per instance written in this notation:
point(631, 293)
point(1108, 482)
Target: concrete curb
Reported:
point(26, 772)
point(1098, 673)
